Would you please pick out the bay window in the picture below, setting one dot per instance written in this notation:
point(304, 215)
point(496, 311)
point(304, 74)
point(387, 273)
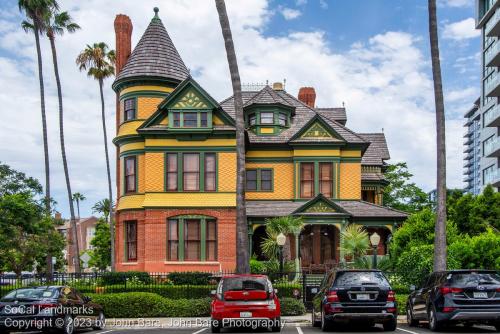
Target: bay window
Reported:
point(129, 109)
point(210, 172)
point(191, 172)
point(306, 180)
point(326, 178)
point(172, 172)
point(130, 174)
point(266, 118)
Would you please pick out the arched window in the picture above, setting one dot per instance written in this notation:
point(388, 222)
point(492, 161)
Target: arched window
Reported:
point(191, 238)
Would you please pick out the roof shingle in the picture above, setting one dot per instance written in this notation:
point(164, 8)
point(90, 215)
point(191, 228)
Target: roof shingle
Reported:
point(377, 152)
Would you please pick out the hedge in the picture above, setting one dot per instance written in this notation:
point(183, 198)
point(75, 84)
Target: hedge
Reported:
point(401, 300)
point(110, 278)
point(144, 304)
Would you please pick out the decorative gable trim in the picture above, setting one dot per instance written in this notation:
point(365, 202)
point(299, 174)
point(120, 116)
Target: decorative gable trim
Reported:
point(188, 95)
point(317, 128)
point(320, 204)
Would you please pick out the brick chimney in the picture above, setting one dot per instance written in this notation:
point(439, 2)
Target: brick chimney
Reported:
point(123, 33)
point(307, 95)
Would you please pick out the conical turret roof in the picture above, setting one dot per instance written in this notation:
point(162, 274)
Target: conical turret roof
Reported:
point(154, 56)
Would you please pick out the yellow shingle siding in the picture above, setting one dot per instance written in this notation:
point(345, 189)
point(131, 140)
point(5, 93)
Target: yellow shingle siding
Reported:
point(282, 181)
point(190, 200)
point(129, 128)
point(140, 173)
point(351, 154)
point(154, 172)
point(317, 153)
point(350, 180)
point(146, 106)
point(226, 171)
point(269, 154)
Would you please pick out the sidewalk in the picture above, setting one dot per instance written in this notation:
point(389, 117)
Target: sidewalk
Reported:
point(173, 323)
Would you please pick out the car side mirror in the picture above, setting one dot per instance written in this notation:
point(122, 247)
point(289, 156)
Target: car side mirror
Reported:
point(276, 291)
point(213, 293)
point(413, 288)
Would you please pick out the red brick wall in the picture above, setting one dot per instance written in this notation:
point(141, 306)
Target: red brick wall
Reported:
point(152, 240)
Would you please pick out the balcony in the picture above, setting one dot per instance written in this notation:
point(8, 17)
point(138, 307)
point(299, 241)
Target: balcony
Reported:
point(492, 56)
point(493, 86)
point(468, 140)
point(468, 178)
point(495, 179)
point(492, 148)
point(492, 27)
point(468, 149)
point(468, 163)
point(492, 117)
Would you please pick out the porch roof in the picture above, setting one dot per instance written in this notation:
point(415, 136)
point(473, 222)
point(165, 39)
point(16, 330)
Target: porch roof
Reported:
point(353, 208)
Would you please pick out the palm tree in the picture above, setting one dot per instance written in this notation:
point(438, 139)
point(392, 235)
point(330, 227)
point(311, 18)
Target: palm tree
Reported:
point(354, 242)
point(242, 254)
point(288, 225)
point(440, 229)
point(35, 10)
point(102, 207)
point(99, 62)
point(78, 197)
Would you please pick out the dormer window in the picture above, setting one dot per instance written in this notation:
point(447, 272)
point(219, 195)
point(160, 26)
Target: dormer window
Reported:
point(191, 119)
point(266, 118)
point(252, 119)
point(129, 109)
point(282, 119)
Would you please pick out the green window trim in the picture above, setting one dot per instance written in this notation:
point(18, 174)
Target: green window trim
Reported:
point(201, 171)
point(259, 179)
point(136, 171)
point(124, 111)
point(181, 113)
point(256, 124)
point(181, 242)
point(335, 178)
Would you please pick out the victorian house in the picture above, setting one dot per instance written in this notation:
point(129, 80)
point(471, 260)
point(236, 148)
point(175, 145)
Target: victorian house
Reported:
point(176, 166)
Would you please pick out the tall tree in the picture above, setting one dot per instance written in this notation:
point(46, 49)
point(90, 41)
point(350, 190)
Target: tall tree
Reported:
point(102, 207)
point(35, 11)
point(99, 62)
point(242, 255)
point(440, 230)
point(78, 197)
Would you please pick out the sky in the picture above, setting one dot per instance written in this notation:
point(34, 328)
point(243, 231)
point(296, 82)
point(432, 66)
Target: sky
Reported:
point(370, 55)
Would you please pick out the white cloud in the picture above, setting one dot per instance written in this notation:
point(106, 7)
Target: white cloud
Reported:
point(300, 2)
point(384, 82)
point(461, 30)
point(323, 4)
point(456, 3)
point(461, 95)
point(290, 13)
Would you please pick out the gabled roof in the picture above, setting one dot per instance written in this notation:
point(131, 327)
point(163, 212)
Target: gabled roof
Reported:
point(267, 95)
point(317, 120)
point(338, 114)
point(154, 56)
point(303, 114)
point(184, 86)
point(377, 151)
point(320, 205)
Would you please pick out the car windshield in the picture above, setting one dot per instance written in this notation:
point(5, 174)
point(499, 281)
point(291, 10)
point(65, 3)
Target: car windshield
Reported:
point(32, 293)
point(465, 279)
point(350, 278)
point(244, 283)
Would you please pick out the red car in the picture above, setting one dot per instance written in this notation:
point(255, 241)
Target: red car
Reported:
point(245, 301)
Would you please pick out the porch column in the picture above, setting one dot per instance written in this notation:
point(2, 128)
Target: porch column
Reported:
point(297, 250)
point(316, 249)
point(250, 241)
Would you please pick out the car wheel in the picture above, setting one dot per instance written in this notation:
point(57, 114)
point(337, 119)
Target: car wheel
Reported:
point(434, 324)
point(497, 327)
point(391, 325)
point(68, 325)
point(100, 322)
point(314, 322)
point(326, 324)
point(277, 325)
point(412, 322)
point(215, 326)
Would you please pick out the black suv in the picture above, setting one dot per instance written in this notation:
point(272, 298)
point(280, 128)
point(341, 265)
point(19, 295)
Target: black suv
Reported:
point(347, 295)
point(457, 296)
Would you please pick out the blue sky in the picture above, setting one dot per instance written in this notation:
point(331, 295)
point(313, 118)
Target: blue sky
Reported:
point(370, 54)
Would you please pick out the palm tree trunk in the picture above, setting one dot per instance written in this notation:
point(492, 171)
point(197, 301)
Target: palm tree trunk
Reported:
point(78, 207)
point(110, 191)
point(48, 258)
point(44, 118)
point(440, 230)
point(242, 256)
point(76, 247)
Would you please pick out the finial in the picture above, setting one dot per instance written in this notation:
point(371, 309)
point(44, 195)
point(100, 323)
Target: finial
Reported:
point(156, 10)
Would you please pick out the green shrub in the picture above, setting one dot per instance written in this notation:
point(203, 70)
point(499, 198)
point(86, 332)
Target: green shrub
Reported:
point(286, 289)
point(131, 304)
point(478, 252)
point(190, 278)
point(143, 304)
point(110, 278)
point(257, 267)
point(292, 306)
point(167, 291)
point(401, 299)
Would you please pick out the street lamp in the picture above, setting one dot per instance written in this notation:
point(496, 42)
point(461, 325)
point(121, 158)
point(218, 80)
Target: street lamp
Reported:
point(375, 240)
point(281, 240)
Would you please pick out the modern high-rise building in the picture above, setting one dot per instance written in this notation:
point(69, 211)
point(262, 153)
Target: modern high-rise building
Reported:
point(472, 150)
point(488, 21)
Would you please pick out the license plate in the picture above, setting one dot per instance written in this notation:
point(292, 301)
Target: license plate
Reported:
point(480, 295)
point(245, 314)
point(362, 296)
